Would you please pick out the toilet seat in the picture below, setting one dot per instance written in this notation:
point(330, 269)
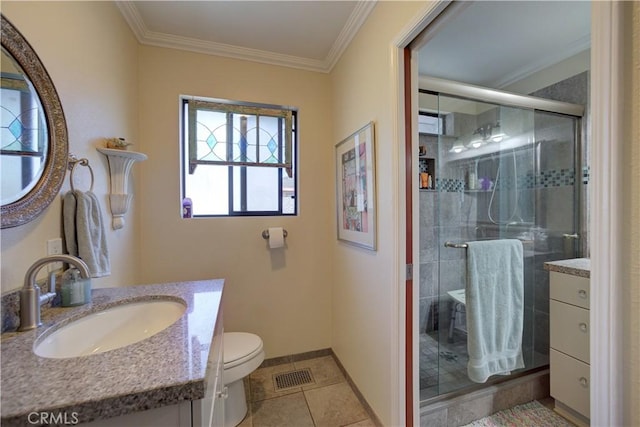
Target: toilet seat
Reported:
point(240, 347)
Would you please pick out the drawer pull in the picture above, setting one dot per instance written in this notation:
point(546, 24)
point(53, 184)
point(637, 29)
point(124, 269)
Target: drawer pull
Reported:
point(582, 294)
point(583, 382)
point(583, 327)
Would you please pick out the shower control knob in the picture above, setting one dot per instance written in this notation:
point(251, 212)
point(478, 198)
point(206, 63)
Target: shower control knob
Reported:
point(583, 327)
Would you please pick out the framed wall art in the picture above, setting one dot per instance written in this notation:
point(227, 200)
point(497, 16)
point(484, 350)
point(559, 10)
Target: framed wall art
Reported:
point(356, 188)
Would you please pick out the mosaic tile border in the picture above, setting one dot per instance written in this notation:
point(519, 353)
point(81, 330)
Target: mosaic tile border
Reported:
point(556, 178)
point(586, 171)
point(545, 179)
point(450, 185)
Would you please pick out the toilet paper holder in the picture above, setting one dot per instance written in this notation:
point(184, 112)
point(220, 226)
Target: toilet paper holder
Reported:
point(265, 234)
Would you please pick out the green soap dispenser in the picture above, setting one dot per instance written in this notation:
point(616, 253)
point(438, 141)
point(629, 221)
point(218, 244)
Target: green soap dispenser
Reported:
point(75, 289)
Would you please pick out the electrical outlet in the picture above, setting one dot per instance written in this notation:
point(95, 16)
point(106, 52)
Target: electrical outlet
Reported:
point(54, 247)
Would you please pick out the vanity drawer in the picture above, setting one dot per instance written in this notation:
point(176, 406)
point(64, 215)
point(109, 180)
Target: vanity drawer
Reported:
point(570, 329)
point(570, 382)
point(570, 289)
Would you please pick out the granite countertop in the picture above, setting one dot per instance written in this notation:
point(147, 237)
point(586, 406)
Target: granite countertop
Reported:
point(576, 267)
point(164, 369)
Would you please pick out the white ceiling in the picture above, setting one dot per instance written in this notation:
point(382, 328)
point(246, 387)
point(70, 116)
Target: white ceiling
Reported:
point(489, 43)
point(496, 43)
point(305, 34)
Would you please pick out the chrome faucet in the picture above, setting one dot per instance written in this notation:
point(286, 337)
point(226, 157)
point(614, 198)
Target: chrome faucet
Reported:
point(30, 298)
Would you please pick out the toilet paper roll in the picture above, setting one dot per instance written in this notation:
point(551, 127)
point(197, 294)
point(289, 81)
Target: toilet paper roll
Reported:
point(276, 237)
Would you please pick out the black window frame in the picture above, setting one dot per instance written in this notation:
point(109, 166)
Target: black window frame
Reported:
point(232, 212)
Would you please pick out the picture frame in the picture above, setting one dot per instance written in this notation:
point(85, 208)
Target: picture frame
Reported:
point(356, 188)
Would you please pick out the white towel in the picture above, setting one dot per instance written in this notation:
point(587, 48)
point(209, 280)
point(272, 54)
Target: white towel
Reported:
point(84, 231)
point(495, 302)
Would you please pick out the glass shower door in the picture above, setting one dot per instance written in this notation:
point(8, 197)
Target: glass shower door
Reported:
point(490, 172)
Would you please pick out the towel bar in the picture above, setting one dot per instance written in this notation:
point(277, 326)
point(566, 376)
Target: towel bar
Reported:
point(465, 246)
point(455, 245)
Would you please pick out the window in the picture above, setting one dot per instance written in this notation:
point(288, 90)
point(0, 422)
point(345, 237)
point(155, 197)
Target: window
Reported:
point(431, 123)
point(239, 158)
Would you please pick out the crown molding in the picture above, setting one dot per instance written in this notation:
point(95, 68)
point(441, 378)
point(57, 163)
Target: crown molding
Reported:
point(356, 20)
point(230, 51)
point(132, 17)
point(576, 47)
point(152, 38)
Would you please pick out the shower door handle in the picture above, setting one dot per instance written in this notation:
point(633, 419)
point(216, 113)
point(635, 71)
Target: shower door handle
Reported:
point(571, 236)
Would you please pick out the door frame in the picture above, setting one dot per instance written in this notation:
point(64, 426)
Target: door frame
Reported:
point(606, 207)
point(607, 108)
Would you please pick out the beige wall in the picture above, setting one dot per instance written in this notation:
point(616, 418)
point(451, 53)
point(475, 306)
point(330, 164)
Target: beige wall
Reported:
point(90, 54)
point(365, 295)
point(283, 296)
point(317, 293)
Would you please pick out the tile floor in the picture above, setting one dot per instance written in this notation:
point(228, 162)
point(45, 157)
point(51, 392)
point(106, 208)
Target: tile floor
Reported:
point(443, 365)
point(327, 402)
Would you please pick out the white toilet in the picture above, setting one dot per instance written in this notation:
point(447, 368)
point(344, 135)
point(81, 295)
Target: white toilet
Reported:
point(243, 354)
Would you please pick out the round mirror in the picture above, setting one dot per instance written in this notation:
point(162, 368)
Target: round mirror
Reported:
point(23, 132)
point(33, 131)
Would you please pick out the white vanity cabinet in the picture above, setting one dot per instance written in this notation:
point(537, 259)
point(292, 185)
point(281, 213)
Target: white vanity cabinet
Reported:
point(178, 415)
point(569, 352)
point(209, 411)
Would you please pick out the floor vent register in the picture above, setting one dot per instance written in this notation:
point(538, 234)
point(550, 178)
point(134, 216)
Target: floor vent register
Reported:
point(297, 378)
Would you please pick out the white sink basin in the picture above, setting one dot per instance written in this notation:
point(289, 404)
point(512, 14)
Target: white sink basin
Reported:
point(109, 329)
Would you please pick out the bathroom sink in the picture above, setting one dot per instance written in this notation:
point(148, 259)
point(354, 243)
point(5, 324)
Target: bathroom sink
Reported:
point(110, 329)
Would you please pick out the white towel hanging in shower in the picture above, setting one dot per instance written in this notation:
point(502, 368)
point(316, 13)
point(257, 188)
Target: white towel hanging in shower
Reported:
point(495, 308)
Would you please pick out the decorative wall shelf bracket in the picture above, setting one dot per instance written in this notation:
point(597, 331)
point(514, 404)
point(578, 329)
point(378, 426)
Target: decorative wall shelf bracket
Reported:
point(120, 164)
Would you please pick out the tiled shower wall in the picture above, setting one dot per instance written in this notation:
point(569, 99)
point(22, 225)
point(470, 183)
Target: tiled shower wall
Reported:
point(457, 215)
point(576, 91)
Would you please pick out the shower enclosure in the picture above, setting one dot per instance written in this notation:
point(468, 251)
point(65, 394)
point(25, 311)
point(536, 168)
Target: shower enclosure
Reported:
point(491, 170)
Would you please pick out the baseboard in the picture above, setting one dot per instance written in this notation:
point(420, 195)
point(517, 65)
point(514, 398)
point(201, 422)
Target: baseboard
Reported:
point(571, 415)
point(296, 357)
point(363, 401)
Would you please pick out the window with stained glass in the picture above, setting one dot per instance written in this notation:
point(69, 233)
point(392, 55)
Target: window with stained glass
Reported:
point(23, 134)
point(239, 158)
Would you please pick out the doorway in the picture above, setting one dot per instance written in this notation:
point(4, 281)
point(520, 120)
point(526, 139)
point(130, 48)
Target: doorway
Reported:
point(603, 24)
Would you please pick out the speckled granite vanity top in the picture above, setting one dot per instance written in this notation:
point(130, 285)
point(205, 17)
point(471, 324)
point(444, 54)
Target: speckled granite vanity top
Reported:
point(163, 369)
point(576, 267)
